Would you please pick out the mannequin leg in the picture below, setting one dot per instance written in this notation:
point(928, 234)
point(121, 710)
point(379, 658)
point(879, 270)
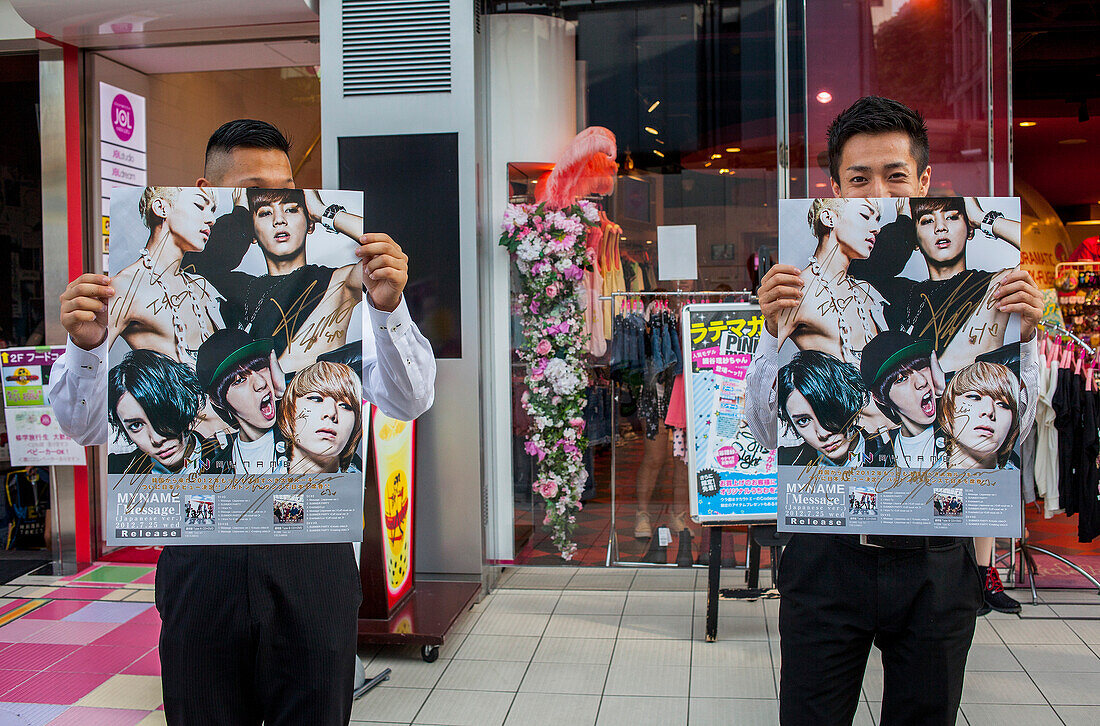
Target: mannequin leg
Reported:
point(654, 455)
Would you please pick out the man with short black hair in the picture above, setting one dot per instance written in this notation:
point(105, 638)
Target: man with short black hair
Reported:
point(275, 625)
point(908, 596)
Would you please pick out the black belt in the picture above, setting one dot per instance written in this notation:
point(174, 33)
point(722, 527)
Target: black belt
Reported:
point(903, 542)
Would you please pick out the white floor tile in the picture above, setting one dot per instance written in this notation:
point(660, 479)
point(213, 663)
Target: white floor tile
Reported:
point(648, 680)
point(498, 647)
point(482, 675)
point(564, 678)
point(726, 711)
point(677, 627)
point(984, 714)
point(575, 650)
point(635, 710)
point(1075, 658)
point(652, 652)
point(1079, 715)
point(389, 704)
point(1003, 688)
point(465, 708)
point(707, 682)
point(553, 709)
point(1070, 689)
point(582, 626)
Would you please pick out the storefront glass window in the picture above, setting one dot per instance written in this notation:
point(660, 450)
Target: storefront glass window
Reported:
point(712, 130)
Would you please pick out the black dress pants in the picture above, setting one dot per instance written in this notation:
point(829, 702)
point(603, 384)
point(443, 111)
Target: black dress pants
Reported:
point(918, 607)
point(258, 633)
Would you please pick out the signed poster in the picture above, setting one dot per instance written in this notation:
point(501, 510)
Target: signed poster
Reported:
point(898, 393)
point(733, 477)
point(234, 396)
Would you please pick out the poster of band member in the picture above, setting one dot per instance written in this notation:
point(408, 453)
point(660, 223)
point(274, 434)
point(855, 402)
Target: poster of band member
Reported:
point(234, 394)
point(732, 476)
point(899, 394)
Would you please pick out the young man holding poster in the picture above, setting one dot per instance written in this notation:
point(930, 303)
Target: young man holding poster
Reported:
point(266, 633)
point(916, 587)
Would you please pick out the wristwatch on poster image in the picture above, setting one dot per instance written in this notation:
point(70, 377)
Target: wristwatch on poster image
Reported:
point(988, 221)
point(329, 215)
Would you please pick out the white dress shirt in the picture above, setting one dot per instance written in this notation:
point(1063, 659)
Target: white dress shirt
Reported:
point(761, 401)
point(398, 376)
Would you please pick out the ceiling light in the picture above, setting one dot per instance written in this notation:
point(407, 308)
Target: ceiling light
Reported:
point(658, 153)
point(1073, 142)
point(723, 171)
point(649, 241)
point(716, 156)
point(824, 97)
point(708, 163)
point(651, 130)
point(1025, 124)
point(652, 106)
point(733, 149)
point(820, 185)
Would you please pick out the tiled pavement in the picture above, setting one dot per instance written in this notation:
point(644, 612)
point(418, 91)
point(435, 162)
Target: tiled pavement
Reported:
point(562, 646)
point(626, 647)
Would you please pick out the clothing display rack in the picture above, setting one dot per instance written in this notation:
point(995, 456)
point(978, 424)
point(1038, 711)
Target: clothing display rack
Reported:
point(1026, 548)
point(613, 542)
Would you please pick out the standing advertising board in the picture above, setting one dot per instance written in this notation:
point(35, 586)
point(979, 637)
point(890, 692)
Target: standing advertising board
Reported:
point(732, 477)
point(235, 354)
point(899, 395)
point(34, 436)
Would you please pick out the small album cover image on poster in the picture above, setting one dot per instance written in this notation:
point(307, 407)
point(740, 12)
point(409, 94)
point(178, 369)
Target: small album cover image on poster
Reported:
point(861, 501)
point(289, 509)
point(199, 509)
point(897, 355)
point(947, 502)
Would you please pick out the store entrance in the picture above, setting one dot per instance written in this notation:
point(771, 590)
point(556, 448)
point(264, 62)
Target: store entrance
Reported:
point(1056, 129)
point(180, 95)
point(26, 516)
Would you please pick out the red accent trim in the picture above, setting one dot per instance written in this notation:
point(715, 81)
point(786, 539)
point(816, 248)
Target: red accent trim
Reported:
point(74, 198)
point(74, 214)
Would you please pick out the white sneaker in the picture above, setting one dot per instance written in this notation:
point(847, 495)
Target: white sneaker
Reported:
point(643, 526)
point(678, 522)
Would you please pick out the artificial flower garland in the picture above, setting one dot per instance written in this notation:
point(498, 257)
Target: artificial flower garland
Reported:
point(548, 247)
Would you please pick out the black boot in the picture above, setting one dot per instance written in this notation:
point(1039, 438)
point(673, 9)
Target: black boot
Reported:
point(995, 596)
point(657, 553)
point(683, 554)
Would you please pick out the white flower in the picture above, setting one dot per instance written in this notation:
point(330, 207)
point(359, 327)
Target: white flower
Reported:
point(529, 249)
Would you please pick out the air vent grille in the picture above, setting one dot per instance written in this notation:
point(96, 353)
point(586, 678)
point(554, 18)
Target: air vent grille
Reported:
point(396, 46)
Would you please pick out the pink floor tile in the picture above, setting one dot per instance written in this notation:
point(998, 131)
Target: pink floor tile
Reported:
point(131, 634)
point(148, 617)
point(33, 656)
point(147, 579)
point(21, 629)
point(80, 593)
point(84, 716)
point(147, 665)
point(62, 631)
point(50, 687)
point(12, 605)
point(11, 679)
point(109, 659)
point(55, 610)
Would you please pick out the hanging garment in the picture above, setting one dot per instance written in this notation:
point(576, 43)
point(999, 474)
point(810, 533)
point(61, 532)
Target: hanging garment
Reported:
point(1046, 445)
point(594, 338)
point(1088, 517)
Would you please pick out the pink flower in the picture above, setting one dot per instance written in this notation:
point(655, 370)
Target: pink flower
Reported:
point(543, 347)
point(577, 423)
point(534, 307)
point(533, 449)
point(549, 489)
point(552, 290)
